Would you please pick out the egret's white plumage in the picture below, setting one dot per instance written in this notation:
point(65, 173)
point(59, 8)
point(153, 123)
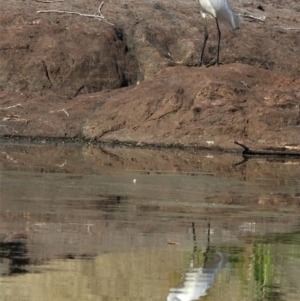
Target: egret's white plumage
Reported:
point(221, 11)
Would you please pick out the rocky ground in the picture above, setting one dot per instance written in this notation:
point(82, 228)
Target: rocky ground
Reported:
point(133, 78)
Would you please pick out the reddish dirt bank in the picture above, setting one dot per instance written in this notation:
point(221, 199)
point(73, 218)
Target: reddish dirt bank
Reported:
point(70, 76)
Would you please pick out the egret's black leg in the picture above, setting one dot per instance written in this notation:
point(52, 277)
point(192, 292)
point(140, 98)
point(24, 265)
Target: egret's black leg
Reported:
point(200, 62)
point(217, 61)
point(219, 40)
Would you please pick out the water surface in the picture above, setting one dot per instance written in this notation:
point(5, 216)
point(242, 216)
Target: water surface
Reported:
point(90, 223)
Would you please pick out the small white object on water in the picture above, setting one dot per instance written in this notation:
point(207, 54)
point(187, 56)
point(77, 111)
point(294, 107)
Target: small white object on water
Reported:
point(134, 181)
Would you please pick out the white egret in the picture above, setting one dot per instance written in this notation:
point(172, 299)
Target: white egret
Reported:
point(221, 11)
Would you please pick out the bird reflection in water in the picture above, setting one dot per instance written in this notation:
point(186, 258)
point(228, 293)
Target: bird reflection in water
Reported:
point(198, 280)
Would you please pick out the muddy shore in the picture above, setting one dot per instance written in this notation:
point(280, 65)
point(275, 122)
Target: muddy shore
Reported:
point(134, 79)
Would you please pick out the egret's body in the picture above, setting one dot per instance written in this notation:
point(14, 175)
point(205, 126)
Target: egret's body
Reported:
point(221, 11)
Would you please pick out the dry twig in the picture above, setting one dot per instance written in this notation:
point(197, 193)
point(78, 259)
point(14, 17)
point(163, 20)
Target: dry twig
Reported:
point(9, 158)
point(62, 165)
point(250, 16)
point(287, 28)
point(14, 106)
point(49, 1)
point(63, 110)
point(98, 15)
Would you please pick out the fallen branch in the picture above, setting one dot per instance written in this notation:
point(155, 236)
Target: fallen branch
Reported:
point(278, 152)
point(241, 144)
point(98, 15)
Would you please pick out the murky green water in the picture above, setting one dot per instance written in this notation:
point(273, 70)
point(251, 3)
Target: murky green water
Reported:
point(83, 223)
